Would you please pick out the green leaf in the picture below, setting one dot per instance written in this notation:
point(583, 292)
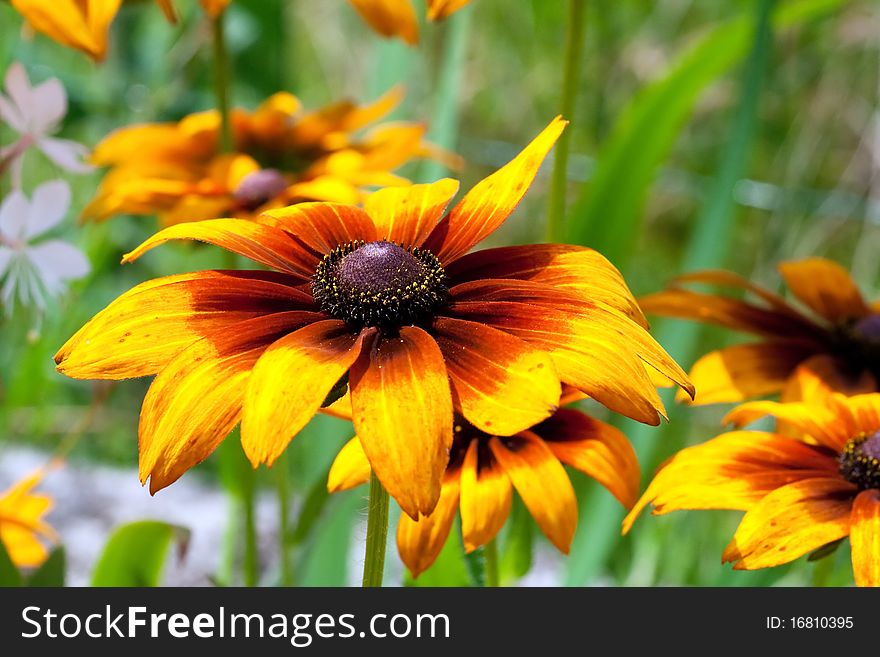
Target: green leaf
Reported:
point(136, 552)
point(325, 560)
point(9, 575)
point(608, 214)
point(825, 551)
point(51, 573)
point(516, 551)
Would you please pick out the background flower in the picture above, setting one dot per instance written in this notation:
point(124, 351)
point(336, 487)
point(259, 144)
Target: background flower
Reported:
point(22, 529)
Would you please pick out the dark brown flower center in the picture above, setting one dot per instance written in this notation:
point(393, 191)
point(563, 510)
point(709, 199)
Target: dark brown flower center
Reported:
point(380, 284)
point(860, 461)
point(867, 329)
point(259, 187)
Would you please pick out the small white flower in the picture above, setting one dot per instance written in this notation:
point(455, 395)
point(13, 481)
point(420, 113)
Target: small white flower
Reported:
point(35, 113)
point(33, 271)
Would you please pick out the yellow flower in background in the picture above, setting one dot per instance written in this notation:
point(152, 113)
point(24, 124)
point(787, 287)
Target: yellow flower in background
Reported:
point(397, 18)
point(814, 484)
point(80, 24)
point(22, 528)
point(838, 337)
point(283, 155)
point(484, 470)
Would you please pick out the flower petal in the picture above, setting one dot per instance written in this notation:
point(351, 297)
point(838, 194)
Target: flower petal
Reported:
point(865, 538)
point(791, 521)
point(49, 203)
point(419, 542)
point(440, 9)
point(486, 496)
point(490, 202)
point(501, 383)
point(142, 330)
point(14, 213)
point(823, 423)
point(597, 449)
point(291, 381)
point(350, 467)
point(48, 106)
point(542, 483)
point(196, 400)
point(570, 268)
point(322, 226)
point(733, 471)
point(390, 18)
point(407, 215)
point(69, 155)
point(58, 262)
point(745, 371)
point(402, 409)
point(264, 244)
point(825, 287)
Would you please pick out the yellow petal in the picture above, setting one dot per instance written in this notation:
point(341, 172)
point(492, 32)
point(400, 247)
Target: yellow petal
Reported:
point(825, 287)
point(420, 541)
point(407, 215)
point(390, 18)
point(350, 467)
point(486, 496)
point(865, 538)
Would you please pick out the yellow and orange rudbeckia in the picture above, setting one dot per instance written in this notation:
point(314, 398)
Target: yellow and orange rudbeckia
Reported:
point(839, 337)
point(22, 528)
point(80, 24)
point(387, 297)
point(484, 469)
point(814, 481)
point(282, 155)
point(397, 18)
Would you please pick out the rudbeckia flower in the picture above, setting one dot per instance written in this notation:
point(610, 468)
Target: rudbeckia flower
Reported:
point(836, 332)
point(80, 24)
point(817, 483)
point(386, 299)
point(22, 528)
point(484, 469)
point(282, 155)
point(397, 18)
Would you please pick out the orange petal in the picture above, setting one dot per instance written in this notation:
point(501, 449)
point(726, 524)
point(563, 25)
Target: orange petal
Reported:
point(502, 384)
point(745, 371)
point(817, 377)
point(596, 449)
point(214, 7)
point(542, 483)
point(727, 312)
point(865, 538)
point(22, 529)
point(490, 202)
point(71, 24)
point(322, 226)
point(729, 279)
point(570, 268)
point(407, 215)
point(733, 471)
point(440, 9)
point(821, 423)
point(390, 18)
point(856, 415)
point(264, 244)
point(791, 521)
point(402, 411)
point(350, 467)
point(486, 496)
point(825, 287)
point(420, 541)
point(196, 400)
point(146, 327)
point(593, 358)
point(289, 383)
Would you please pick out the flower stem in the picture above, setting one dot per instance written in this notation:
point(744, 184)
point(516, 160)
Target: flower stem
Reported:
point(377, 533)
point(251, 554)
point(491, 554)
point(221, 82)
point(282, 483)
point(574, 42)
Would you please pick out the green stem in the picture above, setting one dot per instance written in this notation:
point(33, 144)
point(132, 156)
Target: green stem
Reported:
point(221, 82)
point(377, 533)
point(251, 554)
point(491, 554)
point(574, 45)
point(282, 482)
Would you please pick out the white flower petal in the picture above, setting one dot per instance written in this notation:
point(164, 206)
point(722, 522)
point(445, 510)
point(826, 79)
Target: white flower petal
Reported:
point(14, 213)
point(66, 154)
point(49, 205)
point(5, 258)
point(49, 105)
point(19, 88)
point(10, 114)
point(58, 261)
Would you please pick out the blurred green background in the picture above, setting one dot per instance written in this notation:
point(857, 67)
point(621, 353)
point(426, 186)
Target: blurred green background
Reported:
point(715, 133)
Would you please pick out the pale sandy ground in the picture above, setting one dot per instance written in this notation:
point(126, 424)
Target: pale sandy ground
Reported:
point(90, 500)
